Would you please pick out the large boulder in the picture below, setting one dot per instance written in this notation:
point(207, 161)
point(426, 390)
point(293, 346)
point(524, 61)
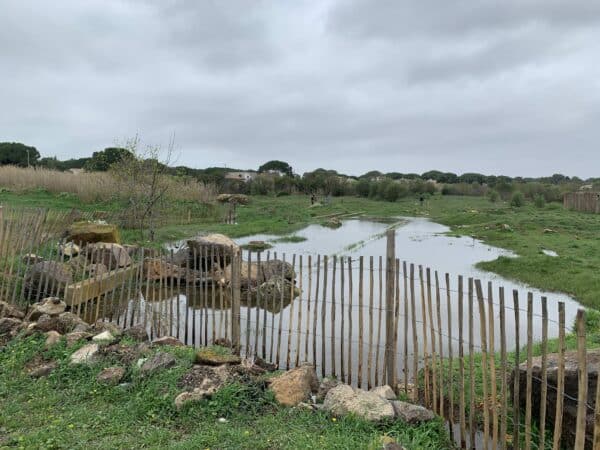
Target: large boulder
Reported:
point(211, 251)
point(343, 400)
point(571, 391)
point(47, 278)
point(296, 385)
point(90, 232)
point(113, 256)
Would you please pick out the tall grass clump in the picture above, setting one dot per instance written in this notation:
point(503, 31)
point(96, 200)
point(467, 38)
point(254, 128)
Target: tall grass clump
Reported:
point(539, 201)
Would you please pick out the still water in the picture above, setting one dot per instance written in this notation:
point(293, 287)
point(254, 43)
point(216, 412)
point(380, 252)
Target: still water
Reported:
point(324, 325)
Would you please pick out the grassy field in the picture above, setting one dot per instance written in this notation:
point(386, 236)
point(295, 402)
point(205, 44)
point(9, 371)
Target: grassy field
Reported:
point(70, 409)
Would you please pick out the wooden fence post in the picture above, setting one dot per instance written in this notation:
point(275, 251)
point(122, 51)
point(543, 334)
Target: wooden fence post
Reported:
point(235, 304)
point(390, 356)
point(583, 382)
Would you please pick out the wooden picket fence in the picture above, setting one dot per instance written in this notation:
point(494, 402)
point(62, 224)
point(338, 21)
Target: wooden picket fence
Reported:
point(452, 344)
point(582, 201)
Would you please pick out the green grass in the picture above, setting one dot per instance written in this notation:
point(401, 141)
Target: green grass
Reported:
point(69, 409)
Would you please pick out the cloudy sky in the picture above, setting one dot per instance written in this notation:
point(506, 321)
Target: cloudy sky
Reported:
point(509, 87)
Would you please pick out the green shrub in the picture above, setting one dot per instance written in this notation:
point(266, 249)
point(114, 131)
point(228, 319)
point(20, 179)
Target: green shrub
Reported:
point(282, 194)
point(517, 200)
point(493, 196)
point(539, 201)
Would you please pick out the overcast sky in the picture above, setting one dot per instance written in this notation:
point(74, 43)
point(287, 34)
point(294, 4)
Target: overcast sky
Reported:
point(506, 87)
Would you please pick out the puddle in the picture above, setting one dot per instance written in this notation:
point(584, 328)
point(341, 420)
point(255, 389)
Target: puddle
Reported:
point(418, 240)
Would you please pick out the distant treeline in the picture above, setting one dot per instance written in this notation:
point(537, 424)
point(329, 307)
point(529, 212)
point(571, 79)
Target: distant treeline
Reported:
point(278, 178)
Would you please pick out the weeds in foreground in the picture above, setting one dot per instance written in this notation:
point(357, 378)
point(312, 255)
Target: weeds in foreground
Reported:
point(69, 409)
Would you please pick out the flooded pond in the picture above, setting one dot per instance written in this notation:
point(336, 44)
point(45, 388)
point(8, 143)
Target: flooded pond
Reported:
point(324, 326)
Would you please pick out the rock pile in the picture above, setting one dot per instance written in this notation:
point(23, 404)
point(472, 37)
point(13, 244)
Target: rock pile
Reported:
point(300, 385)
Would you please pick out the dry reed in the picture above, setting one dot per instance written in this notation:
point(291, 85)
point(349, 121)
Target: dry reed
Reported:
point(92, 186)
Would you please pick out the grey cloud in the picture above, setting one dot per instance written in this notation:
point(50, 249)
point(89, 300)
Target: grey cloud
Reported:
point(390, 18)
point(346, 85)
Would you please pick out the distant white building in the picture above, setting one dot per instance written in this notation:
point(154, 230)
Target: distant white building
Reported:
point(241, 176)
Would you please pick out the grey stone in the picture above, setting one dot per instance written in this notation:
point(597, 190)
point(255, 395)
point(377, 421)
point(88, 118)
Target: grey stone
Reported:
point(137, 332)
point(111, 375)
point(193, 396)
point(167, 340)
point(69, 322)
point(87, 354)
point(343, 399)
point(75, 336)
point(113, 328)
point(52, 338)
point(157, 362)
point(43, 370)
point(51, 306)
point(411, 413)
point(325, 386)
point(46, 278)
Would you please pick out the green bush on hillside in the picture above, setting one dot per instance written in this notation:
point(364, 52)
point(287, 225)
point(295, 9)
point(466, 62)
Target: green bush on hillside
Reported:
point(517, 200)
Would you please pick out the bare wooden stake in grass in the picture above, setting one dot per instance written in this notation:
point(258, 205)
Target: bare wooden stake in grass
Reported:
point(560, 379)
point(582, 391)
point(544, 387)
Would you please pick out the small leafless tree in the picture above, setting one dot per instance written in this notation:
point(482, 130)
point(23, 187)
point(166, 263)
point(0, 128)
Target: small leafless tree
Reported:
point(143, 181)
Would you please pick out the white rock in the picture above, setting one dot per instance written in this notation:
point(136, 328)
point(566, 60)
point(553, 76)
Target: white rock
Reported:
point(105, 336)
point(85, 355)
point(343, 399)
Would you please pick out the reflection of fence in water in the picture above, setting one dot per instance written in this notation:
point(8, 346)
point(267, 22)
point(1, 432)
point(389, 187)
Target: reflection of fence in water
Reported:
point(367, 321)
